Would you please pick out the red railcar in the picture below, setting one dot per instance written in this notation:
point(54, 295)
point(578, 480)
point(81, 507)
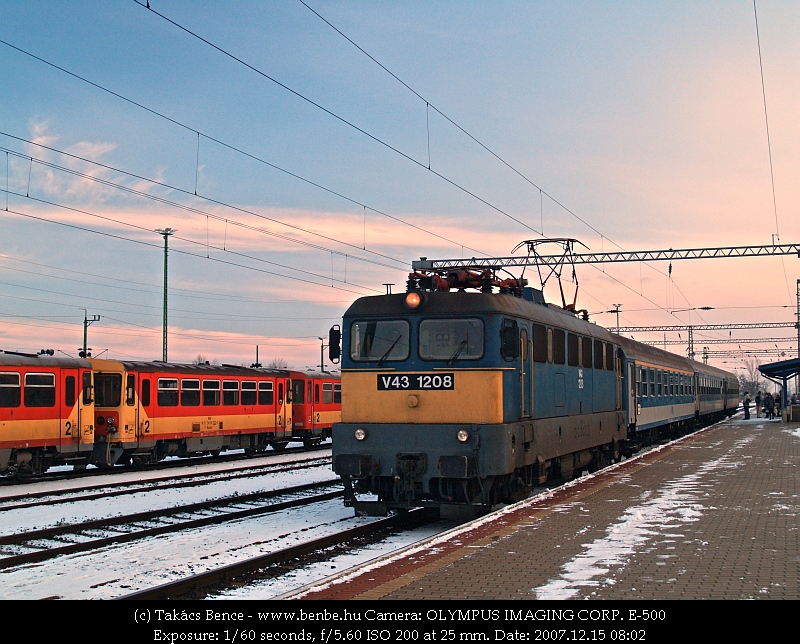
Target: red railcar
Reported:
point(316, 405)
point(46, 412)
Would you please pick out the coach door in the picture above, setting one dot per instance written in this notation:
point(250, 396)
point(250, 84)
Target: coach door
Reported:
point(632, 407)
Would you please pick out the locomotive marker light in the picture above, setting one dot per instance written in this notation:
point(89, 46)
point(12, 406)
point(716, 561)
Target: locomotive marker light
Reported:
point(413, 300)
point(360, 434)
point(462, 436)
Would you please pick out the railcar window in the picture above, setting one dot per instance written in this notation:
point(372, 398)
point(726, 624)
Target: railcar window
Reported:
point(40, 390)
point(130, 390)
point(265, 393)
point(69, 391)
point(230, 392)
point(167, 392)
point(190, 393)
point(379, 340)
point(87, 387)
point(248, 392)
point(572, 350)
point(610, 357)
point(145, 393)
point(310, 394)
point(540, 338)
point(587, 352)
point(599, 355)
point(451, 339)
point(211, 392)
point(316, 394)
point(327, 393)
point(337, 393)
point(108, 389)
point(559, 353)
point(298, 391)
point(10, 390)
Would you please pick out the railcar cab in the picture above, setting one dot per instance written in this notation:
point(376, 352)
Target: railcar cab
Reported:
point(316, 405)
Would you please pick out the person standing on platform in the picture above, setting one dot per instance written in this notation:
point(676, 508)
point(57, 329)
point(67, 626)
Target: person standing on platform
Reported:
point(758, 404)
point(746, 402)
point(769, 406)
point(778, 403)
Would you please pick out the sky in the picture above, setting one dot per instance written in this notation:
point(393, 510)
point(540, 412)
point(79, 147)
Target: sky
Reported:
point(307, 152)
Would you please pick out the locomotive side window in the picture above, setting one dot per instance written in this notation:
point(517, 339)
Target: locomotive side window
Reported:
point(379, 340)
point(549, 345)
point(265, 393)
point(559, 355)
point(327, 393)
point(190, 393)
point(337, 393)
point(609, 357)
point(587, 352)
point(248, 392)
point(572, 350)
point(10, 390)
point(599, 355)
point(69, 391)
point(451, 339)
point(40, 390)
point(211, 392)
point(230, 392)
point(108, 389)
point(167, 392)
point(540, 344)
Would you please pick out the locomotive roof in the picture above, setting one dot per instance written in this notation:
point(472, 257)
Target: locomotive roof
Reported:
point(12, 359)
point(462, 303)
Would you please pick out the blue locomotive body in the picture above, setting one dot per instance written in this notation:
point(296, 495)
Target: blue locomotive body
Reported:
point(471, 399)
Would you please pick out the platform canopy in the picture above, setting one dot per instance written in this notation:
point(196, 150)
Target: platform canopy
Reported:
point(783, 370)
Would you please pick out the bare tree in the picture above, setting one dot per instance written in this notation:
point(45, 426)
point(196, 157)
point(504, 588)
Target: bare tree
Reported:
point(752, 381)
point(201, 359)
point(277, 363)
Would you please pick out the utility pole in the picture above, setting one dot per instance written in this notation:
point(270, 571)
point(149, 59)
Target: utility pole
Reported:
point(322, 346)
point(616, 310)
point(86, 323)
point(166, 232)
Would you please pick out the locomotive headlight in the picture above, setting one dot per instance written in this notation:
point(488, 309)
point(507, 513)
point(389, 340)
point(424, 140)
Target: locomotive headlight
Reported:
point(463, 435)
point(413, 299)
point(360, 434)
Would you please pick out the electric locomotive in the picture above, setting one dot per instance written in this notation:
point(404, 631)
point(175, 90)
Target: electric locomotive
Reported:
point(470, 399)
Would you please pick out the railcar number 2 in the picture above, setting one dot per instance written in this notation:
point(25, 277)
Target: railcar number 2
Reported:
point(415, 381)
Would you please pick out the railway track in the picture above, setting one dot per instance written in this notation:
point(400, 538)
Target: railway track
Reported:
point(105, 490)
point(40, 545)
point(198, 586)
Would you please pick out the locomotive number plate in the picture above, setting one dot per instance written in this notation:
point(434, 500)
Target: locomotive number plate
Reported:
point(415, 382)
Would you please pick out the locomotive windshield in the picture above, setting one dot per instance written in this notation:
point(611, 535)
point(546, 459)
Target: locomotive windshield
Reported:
point(379, 340)
point(451, 339)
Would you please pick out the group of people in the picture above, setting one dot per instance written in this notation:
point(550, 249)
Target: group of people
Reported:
point(768, 404)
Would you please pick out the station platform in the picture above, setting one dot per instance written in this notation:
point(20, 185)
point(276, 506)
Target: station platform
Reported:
point(713, 515)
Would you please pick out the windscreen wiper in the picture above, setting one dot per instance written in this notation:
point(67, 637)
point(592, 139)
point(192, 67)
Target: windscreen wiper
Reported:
point(458, 351)
point(389, 350)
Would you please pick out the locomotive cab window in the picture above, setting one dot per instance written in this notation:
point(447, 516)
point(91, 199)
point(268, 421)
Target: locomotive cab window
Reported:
point(167, 392)
point(190, 393)
point(451, 339)
point(108, 389)
point(381, 340)
point(40, 390)
point(10, 390)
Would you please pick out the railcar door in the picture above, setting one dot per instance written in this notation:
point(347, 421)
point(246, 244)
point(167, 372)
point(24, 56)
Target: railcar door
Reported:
point(70, 409)
point(145, 407)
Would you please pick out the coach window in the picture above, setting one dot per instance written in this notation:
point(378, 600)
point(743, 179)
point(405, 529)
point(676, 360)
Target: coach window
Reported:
point(211, 392)
point(190, 393)
point(69, 391)
point(40, 390)
point(265, 393)
point(167, 392)
point(651, 378)
point(559, 353)
point(337, 393)
point(248, 392)
point(327, 393)
point(10, 390)
point(540, 342)
point(380, 340)
point(230, 392)
point(572, 350)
